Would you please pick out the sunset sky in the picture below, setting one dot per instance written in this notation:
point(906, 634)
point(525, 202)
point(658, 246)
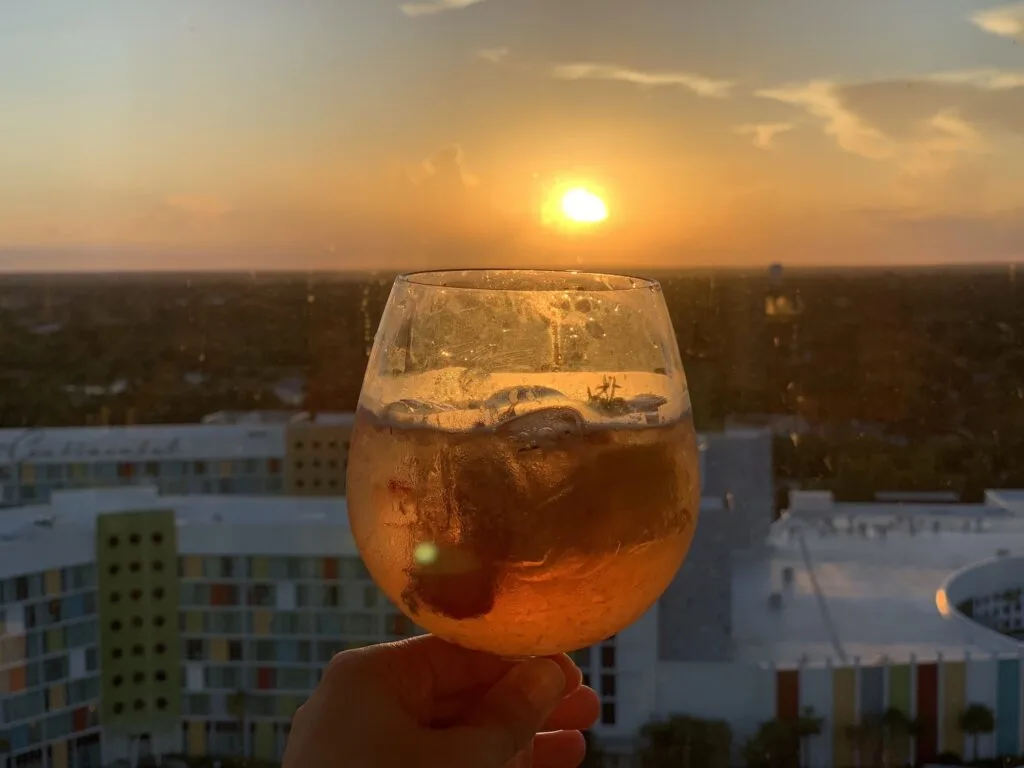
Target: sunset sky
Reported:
point(353, 134)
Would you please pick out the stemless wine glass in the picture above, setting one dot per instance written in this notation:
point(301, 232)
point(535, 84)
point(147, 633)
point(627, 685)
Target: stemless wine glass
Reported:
point(523, 477)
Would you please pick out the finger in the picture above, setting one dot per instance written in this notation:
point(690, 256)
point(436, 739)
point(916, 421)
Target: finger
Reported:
point(561, 749)
point(445, 669)
point(573, 675)
point(577, 711)
point(508, 717)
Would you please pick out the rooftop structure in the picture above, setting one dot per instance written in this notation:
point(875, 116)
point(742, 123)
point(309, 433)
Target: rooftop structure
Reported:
point(841, 581)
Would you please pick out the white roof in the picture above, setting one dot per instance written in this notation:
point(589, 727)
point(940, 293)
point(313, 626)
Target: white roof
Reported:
point(186, 442)
point(867, 596)
point(62, 532)
point(1010, 500)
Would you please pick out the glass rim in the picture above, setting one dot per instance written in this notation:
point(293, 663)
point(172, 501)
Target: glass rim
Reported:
point(602, 282)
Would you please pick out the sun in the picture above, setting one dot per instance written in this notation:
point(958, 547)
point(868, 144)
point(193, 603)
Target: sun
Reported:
point(581, 206)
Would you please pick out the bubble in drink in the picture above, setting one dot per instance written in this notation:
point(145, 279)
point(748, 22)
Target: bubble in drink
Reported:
point(541, 534)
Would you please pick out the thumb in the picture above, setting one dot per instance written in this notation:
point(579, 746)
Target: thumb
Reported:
point(510, 714)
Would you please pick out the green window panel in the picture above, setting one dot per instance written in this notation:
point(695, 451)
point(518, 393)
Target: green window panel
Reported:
point(265, 742)
point(137, 564)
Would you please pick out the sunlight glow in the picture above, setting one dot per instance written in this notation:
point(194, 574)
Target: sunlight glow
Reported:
point(574, 205)
point(583, 206)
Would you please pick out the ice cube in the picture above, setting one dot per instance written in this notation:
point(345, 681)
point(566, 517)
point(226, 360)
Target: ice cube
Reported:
point(506, 400)
point(645, 403)
point(413, 407)
point(543, 427)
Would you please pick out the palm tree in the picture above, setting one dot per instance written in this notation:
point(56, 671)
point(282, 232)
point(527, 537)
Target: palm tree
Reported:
point(237, 706)
point(807, 726)
point(895, 729)
point(682, 742)
point(775, 745)
point(974, 721)
point(863, 736)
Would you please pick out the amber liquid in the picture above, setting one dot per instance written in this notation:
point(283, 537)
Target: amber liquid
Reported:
point(530, 538)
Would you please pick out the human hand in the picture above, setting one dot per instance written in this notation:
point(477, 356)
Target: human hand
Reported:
point(422, 702)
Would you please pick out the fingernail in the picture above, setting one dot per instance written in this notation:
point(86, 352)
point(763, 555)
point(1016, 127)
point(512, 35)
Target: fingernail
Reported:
point(540, 680)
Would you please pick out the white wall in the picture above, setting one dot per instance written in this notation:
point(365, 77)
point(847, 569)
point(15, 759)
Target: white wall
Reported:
point(636, 684)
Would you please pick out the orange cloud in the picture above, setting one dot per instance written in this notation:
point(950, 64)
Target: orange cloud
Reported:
point(1004, 21)
point(763, 134)
point(698, 84)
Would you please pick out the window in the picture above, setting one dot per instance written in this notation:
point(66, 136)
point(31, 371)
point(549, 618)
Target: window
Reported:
point(608, 713)
point(608, 657)
point(225, 622)
point(608, 685)
point(264, 650)
point(353, 569)
point(370, 595)
point(329, 624)
point(198, 704)
point(55, 669)
point(295, 678)
point(400, 625)
point(581, 657)
point(363, 624)
point(262, 595)
point(235, 650)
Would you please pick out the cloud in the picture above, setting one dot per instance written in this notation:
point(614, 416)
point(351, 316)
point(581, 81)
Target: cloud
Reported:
point(493, 55)
point(923, 124)
point(984, 79)
point(763, 133)
point(702, 86)
point(436, 6)
point(821, 99)
point(1003, 20)
point(993, 99)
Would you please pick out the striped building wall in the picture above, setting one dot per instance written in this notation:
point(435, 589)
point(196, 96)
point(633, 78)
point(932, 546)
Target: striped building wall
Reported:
point(934, 692)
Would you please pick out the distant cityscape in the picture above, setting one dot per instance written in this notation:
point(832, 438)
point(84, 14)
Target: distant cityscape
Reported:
point(870, 380)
